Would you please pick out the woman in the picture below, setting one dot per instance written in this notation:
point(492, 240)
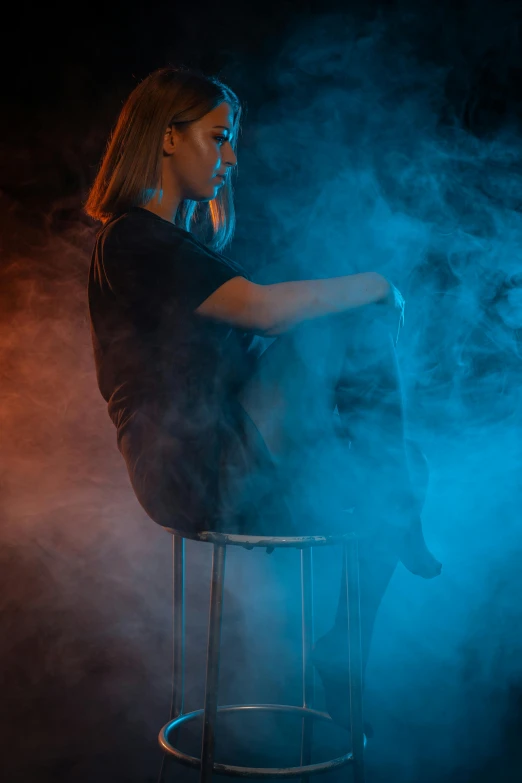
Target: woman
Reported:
point(223, 391)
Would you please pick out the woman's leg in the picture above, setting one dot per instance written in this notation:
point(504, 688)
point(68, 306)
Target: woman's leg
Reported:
point(377, 563)
point(349, 362)
point(370, 401)
point(346, 360)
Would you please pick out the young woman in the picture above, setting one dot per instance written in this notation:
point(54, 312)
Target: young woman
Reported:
point(239, 406)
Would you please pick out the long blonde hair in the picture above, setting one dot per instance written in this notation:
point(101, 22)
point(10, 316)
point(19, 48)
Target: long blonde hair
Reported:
point(131, 167)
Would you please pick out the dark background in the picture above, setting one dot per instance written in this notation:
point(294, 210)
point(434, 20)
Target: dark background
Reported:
point(84, 574)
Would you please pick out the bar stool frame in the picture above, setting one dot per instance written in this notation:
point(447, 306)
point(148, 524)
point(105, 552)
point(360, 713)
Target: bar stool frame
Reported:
point(209, 713)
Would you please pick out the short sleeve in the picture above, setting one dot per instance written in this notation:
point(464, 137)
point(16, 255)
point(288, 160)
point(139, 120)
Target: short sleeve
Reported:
point(145, 261)
point(206, 272)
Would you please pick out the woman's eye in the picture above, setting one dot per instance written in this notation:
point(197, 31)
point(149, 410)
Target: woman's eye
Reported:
point(222, 139)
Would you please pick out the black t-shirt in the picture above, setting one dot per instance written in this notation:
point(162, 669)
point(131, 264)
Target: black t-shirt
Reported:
point(170, 378)
point(147, 277)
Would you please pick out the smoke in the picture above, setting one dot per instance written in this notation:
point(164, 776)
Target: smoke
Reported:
point(85, 575)
point(380, 147)
point(374, 154)
point(374, 178)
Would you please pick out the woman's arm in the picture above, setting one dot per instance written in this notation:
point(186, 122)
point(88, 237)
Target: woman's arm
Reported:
point(273, 309)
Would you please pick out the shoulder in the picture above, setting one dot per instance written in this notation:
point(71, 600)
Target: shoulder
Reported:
point(137, 230)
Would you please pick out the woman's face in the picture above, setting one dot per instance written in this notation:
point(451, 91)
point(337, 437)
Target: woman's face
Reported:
point(200, 152)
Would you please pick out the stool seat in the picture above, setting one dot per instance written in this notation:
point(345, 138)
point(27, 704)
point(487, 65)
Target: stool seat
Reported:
point(250, 541)
point(205, 763)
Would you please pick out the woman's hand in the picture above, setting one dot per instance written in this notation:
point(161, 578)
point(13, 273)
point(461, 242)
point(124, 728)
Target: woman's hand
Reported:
point(394, 301)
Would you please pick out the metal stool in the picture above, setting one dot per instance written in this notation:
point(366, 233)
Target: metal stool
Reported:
point(206, 763)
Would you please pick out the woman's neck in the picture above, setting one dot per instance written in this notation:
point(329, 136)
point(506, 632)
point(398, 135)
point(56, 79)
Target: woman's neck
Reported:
point(166, 198)
point(164, 208)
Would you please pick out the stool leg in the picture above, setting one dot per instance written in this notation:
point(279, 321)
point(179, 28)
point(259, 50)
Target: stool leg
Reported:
point(178, 648)
point(213, 652)
point(351, 555)
point(178, 624)
point(307, 634)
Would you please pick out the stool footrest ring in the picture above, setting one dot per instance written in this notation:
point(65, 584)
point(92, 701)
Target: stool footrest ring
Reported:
point(252, 772)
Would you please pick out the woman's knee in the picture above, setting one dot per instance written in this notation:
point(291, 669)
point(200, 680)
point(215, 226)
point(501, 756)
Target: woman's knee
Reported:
point(354, 343)
point(369, 360)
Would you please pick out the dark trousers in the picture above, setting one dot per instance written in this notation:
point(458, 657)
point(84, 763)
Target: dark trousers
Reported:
point(359, 457)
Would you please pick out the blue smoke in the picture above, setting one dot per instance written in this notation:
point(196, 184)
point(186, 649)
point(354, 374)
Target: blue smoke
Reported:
point(361, 161)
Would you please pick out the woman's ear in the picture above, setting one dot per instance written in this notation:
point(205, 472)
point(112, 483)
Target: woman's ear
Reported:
point(169, 141)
